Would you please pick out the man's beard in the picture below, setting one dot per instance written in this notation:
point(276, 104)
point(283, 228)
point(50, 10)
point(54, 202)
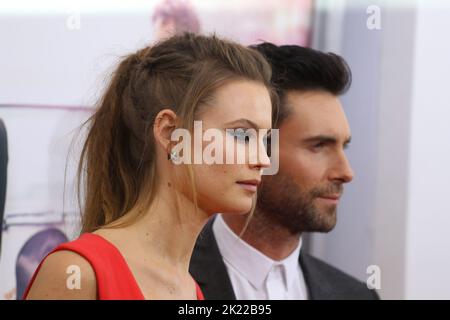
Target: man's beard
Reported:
point(282, 201)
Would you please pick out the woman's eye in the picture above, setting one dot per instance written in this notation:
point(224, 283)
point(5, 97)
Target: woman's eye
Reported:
point(241, 135)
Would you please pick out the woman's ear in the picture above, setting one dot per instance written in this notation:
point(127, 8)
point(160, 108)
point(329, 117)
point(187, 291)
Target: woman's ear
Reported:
point(165, 123)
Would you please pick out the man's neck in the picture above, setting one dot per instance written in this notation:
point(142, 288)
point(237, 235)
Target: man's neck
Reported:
point(274, 241)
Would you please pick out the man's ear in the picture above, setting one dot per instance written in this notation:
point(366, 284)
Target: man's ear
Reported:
point(165, 122)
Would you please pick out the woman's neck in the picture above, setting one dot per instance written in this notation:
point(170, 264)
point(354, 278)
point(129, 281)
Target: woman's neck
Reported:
point(169, 229)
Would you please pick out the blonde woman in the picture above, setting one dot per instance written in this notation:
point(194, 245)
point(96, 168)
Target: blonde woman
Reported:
point(144, 209)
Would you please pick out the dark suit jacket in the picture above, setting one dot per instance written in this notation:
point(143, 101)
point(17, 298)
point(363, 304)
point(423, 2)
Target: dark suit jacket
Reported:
point(324, 282)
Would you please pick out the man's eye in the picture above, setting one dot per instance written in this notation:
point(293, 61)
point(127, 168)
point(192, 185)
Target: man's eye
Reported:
point(267, 143)
point(319, 145)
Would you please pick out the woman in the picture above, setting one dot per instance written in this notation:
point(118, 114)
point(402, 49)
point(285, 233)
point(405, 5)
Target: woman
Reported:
point(143, 209)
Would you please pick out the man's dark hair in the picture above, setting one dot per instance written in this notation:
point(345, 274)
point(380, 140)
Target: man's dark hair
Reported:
point(299, 68)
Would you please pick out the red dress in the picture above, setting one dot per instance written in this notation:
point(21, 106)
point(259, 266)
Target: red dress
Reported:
point(114, 278)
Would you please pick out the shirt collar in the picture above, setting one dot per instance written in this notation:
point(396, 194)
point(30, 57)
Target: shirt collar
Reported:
point(249, 262)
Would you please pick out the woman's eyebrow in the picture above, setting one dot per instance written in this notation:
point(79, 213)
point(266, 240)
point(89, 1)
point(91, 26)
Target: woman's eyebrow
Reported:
point(243, 121)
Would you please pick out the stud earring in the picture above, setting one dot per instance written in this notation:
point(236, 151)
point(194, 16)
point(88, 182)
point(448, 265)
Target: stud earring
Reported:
point(173, 156)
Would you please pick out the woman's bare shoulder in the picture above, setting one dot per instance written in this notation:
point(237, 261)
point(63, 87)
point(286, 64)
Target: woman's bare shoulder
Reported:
point(64, 275)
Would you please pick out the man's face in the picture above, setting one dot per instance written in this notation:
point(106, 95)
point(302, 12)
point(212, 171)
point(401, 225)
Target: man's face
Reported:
point(304, 195)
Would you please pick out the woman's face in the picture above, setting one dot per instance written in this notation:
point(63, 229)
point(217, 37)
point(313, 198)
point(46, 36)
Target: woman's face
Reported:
point(226, 182)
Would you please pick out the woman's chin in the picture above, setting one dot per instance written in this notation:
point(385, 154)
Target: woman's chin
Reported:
point(240, 208)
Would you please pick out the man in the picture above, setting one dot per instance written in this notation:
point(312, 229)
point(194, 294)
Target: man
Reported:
point(267, 261)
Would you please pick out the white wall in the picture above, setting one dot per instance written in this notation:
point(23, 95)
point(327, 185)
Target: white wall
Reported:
point(45, 62)
point(428, 238)
point(350, 245)
point(396, 213)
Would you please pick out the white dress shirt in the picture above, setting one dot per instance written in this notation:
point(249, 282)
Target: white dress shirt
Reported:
point(255, 276)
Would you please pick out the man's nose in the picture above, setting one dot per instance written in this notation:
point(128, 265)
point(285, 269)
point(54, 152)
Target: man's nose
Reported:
point(342, 170)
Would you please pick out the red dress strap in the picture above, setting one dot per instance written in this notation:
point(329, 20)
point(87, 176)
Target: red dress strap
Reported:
point(200, 295)
point(115, 280)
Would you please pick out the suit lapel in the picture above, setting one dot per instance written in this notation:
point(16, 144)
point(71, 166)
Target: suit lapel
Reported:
point(208, 269)
point(318, 287)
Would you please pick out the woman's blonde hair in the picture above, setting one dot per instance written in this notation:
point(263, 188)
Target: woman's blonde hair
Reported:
point(117, 169)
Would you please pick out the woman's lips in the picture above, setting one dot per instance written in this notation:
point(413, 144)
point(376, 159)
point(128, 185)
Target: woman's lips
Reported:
point(249, 185)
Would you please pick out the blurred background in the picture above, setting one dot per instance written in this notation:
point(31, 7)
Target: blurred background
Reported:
point(56, 56)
